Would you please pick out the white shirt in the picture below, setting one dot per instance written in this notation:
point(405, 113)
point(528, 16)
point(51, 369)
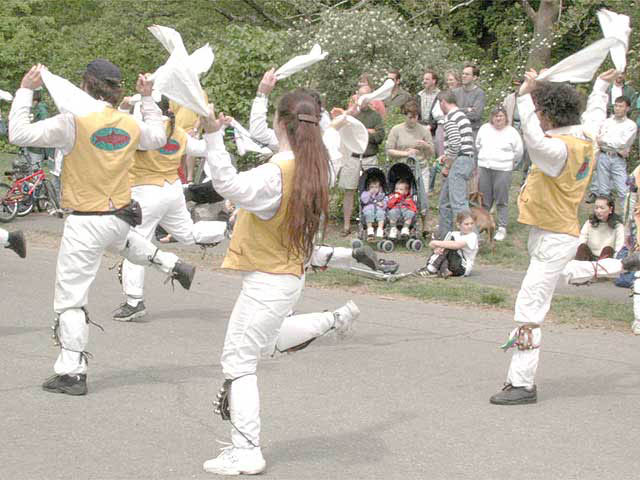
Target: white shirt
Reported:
point(617, 134)
point(498, 149)
point(550, 154)
point(60, 131)
point(469, 251)
point(258, 190)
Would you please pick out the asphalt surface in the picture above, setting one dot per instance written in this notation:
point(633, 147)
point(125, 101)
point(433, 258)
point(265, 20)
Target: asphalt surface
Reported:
point(405, 397)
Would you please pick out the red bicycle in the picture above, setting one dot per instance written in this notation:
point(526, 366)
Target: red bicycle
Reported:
point(26, 191)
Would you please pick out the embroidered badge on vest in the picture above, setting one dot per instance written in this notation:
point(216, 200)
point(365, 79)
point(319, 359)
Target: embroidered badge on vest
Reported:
point(584, 168)
point(171, 147)
point(110, 139)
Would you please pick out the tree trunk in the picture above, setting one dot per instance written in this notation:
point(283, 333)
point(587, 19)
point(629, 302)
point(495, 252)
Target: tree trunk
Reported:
point(545, 18)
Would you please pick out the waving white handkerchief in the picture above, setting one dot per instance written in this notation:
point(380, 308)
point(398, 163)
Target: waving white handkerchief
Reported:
point(581, 66)
point(69, 98)
point(381, 93)
point(301, 62)
point(245, 143)
point(202, 59)
point(176, 79)
point(5, 96)
point(616, 26)
point(354, 135)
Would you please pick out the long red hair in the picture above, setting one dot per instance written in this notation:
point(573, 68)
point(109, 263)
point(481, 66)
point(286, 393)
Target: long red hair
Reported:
point(299, 113)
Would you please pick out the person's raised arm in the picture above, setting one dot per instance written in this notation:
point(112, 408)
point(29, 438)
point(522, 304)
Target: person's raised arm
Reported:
point(55, 132)
point(258, 127)
point(152, 131)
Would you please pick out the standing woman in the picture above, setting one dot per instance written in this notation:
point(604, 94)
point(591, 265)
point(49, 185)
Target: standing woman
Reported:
point(281, 203)
point(499, 148)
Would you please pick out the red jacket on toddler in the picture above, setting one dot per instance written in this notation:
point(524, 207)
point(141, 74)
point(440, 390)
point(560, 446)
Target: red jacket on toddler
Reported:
point(397, 200)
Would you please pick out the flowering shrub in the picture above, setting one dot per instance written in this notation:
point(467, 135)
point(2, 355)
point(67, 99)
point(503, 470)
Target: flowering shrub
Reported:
point(371, 40)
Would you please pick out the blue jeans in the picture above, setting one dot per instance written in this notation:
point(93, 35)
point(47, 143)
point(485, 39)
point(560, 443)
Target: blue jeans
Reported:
point(454, 196)
point(396, 214)
point(611, 174)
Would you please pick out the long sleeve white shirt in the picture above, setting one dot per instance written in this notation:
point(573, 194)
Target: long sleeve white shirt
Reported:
point(617, 134)
point(60, 131)
point(550, 154)
point(498, 149)
point(258, 190)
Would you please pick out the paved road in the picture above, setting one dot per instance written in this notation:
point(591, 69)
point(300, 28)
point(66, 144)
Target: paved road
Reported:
point(405, 398)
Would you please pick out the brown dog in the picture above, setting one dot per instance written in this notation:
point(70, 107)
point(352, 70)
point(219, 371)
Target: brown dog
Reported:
point(483, 219)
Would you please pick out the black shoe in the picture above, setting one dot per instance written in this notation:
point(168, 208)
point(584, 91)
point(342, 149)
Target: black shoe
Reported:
point(631, 262)
point(590, 198)
point(511, 395)
point(387, 266)
point(17, 243)
point(366, 256)
point(126, 312)
point(69, 384)
point(183, 273)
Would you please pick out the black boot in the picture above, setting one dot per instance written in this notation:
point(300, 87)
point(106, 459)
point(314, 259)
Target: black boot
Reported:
point(366, 256)
point(17, 243)
point(510, 395)
point(183, 273)
point(69, 384)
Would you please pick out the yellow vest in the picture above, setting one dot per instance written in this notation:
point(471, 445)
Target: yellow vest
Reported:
point(95, 174)
point(551, 203)
point(185, 118)
point(261, 245)
point(154, 167)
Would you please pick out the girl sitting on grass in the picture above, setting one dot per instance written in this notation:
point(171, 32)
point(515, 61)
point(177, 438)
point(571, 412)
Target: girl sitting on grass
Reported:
point(456, 253)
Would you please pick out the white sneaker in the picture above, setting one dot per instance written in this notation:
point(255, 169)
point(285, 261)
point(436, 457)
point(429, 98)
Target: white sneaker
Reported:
point(380, 232)
point(236, 461)
point(344, 317)
point(393, 233)
point(405, 232)
point(500, 234)
point(370, 232)
point(635, 327)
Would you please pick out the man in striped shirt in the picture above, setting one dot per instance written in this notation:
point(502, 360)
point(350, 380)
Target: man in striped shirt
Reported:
point(457, 160)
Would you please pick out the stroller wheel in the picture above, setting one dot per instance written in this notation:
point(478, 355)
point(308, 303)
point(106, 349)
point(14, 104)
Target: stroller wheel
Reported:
point(409, 244)
point(379, 245)
point(416, 245)
point(356, 243)
point(387, 246)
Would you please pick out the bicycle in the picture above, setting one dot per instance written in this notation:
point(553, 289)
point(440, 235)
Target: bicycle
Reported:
point(27, 190)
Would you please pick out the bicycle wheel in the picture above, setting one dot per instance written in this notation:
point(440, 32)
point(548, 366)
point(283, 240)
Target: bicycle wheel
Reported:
point(25, 206)
point(47, 200)
point(8, 206)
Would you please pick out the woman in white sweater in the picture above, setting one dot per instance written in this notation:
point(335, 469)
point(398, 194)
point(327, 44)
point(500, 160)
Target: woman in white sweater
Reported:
point(499, 148)
point(602, 236)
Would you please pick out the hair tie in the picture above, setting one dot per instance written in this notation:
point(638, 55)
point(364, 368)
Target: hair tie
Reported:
point(303, 117)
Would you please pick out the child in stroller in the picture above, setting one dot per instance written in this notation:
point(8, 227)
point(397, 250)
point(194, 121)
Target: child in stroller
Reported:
point(373, 202)
point(403, 205)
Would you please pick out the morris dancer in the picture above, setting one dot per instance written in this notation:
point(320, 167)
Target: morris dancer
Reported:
point(562, 152)
point(281, 204)
point(14, 241)
point(158, 190)
point(98, 149)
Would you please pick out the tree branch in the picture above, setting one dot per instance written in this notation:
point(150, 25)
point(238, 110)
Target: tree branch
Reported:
point(531, 13)
point(229, 16)
point(270, 18)
point(463, 4)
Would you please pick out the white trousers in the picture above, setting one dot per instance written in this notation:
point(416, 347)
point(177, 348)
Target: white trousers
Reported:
point(333, 257)
point(4, 237)
point(550, 253)
point(84, 240)
point(165, 206)
point(259, 326)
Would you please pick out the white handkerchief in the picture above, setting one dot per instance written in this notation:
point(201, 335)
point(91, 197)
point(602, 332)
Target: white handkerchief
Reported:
point(581, 66)
point(245, 143)
point(69, 98)
point(616, 26)
point(176, 78)
point(354, 135)
point(381, 93)
point(202, 59)
point(5, 96)
point(301, 62)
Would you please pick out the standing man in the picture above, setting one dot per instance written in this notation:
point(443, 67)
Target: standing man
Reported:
point(562, 153)
point(398, 96)
point(431, 115)
point(98, 149)
point(615, 140)
point(470, 97)
point(620, 88)
point(353, 164)
point(457, 160)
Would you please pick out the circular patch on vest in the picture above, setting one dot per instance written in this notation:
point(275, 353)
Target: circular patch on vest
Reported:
point(171, 147)
point(110, 139)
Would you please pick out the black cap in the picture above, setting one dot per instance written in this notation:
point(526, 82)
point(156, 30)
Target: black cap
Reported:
point(104, 70)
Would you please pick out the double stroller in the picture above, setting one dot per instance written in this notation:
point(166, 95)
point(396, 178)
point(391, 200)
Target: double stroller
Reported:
point(398, 171)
